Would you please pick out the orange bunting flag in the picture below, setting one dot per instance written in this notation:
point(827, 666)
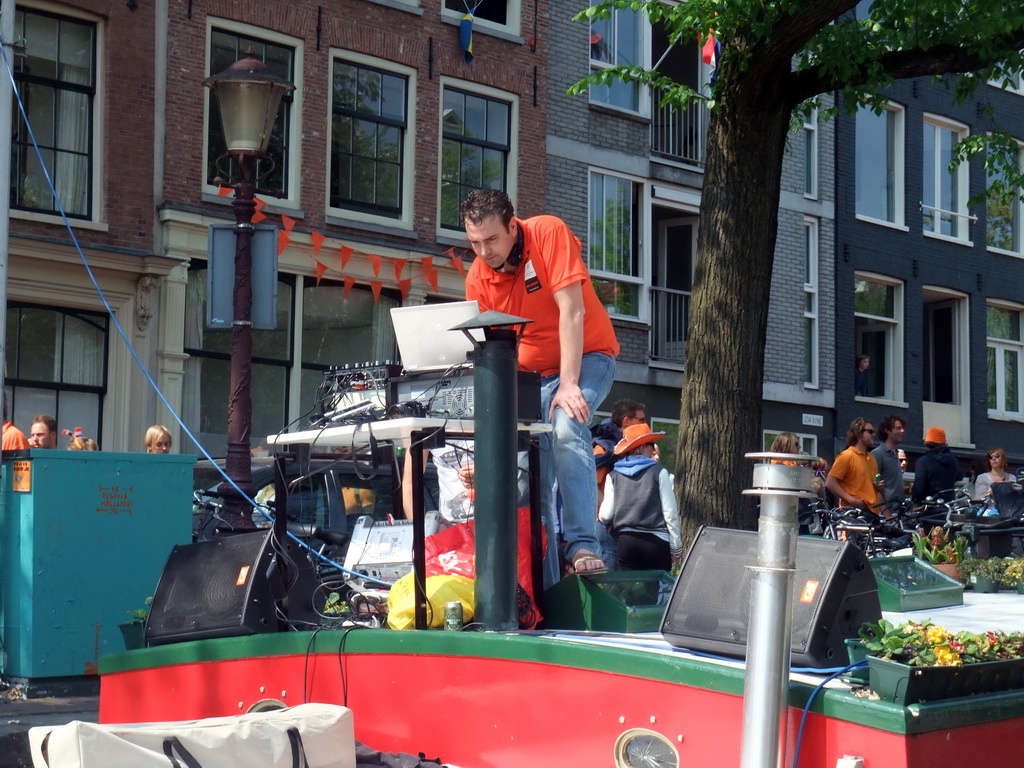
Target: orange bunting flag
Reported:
point(283, 238)
point(346, 254)
point(375, 260)
point(375, 286)
point(318, 241)
point(349, 282)
point(320, 269)
point(457, 263)
point(289, 223)
point(259, 215)
point(403, 287)
point(225, 191)
point(432, 277)
point(399, 266)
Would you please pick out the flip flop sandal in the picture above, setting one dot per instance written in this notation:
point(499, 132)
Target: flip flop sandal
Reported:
point(582, 557)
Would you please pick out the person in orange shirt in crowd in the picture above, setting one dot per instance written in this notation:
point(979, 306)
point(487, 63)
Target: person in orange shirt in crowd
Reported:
point(534, 268)
point(852, 477)
point(13, 438)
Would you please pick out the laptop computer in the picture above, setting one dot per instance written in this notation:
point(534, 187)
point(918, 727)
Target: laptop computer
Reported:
point(424, 339)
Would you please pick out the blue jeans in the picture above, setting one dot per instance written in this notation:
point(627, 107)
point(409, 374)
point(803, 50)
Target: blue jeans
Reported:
point(566, 455)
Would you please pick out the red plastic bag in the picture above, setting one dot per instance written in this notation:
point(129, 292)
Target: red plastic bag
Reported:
point(453, 551)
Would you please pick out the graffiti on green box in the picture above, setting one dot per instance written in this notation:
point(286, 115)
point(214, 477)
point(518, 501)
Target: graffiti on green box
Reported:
point(116, 500)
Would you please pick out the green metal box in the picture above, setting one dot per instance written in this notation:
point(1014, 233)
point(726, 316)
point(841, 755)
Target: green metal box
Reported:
point(910, 584)
point(616, 601)
point(84, 536)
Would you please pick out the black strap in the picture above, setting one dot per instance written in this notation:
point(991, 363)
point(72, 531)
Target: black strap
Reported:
point(172, 743)
point(298, 752)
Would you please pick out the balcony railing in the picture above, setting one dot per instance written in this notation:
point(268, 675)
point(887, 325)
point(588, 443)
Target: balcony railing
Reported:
point(679, 134)
point(670, 319)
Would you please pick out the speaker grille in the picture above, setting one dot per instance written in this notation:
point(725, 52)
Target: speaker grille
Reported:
point(834, 592)
point(215, 588)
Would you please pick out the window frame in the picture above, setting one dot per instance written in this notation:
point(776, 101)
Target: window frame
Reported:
point(407, 178)
point(1017, 212)
point(959, 186)
point(893, 386)
point(294, 148)
point(811, 135)
point(898, 188)
point(811, 310)
point(643, 42)
point(639, 256)
point(512, 152)
point(808, 441)
point(95, 199)
point(513, 12)
point(998, 344)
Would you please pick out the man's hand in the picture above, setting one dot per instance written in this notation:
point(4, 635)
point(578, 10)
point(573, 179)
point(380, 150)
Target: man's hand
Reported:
point(466, 477)
point(569, 398)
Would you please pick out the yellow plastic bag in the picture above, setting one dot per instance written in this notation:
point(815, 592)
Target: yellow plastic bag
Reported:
point(440, 590)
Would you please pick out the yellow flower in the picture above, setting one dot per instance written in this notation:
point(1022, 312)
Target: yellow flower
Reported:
point(936, 635)
point(946, 657)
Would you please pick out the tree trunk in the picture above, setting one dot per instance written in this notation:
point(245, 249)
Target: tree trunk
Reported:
point(729, 311)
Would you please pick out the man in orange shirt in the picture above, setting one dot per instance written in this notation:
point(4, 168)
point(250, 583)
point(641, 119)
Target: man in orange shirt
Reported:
point(852, 477)
point(534, 268)
point(13, 438)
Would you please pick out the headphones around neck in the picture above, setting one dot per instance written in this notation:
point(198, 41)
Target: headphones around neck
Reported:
point(515, 256)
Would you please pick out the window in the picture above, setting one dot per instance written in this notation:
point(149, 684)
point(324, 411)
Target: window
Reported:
point(811, 302)
point(878, 314)
point(370, 147)
point(615, 41)
point(502, 15)
point(944, 208)
point(56, 77)
point(613, 249)
point(1003, 357)
point(476, 145)
point(227, 47)
point(811, 154)
point(318, 326)
point(879, 164)
point(1003, 211)
point(57, 364)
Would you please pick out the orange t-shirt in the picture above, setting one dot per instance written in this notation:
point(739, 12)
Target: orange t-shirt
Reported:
point(552, 260)
point(856, 472)
point(13, 438)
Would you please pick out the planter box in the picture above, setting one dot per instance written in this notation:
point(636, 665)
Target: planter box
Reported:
point(909, 584)
point(902, 684)
point(856, 651)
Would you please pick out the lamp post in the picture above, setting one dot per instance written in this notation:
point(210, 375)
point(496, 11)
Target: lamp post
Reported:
point(249, 96)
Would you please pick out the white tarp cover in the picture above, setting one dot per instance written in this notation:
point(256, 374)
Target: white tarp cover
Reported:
point(254, 740)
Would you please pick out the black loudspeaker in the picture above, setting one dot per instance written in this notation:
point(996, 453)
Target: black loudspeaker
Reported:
point(223, 587)
point(834, 592)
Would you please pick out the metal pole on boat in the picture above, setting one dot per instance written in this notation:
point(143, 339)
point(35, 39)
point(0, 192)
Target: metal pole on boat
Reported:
point(780, 487)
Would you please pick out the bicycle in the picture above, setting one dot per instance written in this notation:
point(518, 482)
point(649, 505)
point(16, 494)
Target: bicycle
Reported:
point(875, 536)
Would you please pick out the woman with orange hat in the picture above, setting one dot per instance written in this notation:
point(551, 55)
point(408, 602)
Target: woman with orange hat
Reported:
point(640, 504)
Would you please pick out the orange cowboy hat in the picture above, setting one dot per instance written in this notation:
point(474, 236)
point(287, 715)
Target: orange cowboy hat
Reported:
point(634, 436)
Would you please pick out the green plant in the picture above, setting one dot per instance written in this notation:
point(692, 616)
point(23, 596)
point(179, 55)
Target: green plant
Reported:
point(940, 547)
point(139, 615)
point(991, 568)
point(925, 644)
point(1013, 574)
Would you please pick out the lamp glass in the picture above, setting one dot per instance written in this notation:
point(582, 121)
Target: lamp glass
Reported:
point(248, 110)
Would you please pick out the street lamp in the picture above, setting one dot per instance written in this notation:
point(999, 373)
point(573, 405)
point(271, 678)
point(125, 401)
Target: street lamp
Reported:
point(249, 96)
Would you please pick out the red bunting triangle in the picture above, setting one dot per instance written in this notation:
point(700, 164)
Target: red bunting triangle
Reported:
point(289, 223)
point(375, 260)
point(318, 241)
point(283, 238)
point(399, 266)
point(375, 286)
point(403, 287)
point(225, 191)
point(320, 269)
point(457, 263)
point(432, 277)
point(346, 254)
point(259, 215)
point(349, 282)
